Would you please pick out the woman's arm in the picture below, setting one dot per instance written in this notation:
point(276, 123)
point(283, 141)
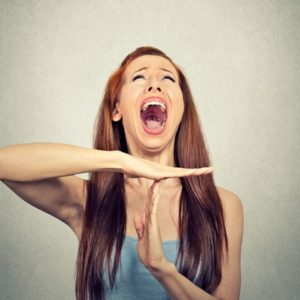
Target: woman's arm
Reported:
point(181, 288)
point(62, 197)
point(42, 175)
point(177, 285)
point(36, 161)
point(29, 162)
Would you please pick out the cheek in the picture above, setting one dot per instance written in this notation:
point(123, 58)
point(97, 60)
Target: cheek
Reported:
point(179, 102)
point(180, 110)
point(129, 95)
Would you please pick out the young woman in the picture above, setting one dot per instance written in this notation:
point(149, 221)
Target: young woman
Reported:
point(150, 221)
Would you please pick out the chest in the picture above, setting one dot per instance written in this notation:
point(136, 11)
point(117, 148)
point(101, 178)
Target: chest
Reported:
point(167, 211)
point(133, 280)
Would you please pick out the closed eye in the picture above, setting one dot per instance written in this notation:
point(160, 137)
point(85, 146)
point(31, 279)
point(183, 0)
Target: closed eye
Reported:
point(169, 77)
point(137, 76)
point(141, 76)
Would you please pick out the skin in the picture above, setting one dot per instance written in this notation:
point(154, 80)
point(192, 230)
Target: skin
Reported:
point(151, 82)
point(152, 212)
point(45, 179)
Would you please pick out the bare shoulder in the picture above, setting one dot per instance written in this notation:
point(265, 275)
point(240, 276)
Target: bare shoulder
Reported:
point(234, 220)
point(230, 201)
point(233, 217)
point(229, 287)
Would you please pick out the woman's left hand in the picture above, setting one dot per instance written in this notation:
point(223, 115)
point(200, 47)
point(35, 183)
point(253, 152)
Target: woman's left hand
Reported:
point(149, 241)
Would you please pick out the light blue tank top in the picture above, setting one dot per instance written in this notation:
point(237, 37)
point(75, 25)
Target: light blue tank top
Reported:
point(133, 280)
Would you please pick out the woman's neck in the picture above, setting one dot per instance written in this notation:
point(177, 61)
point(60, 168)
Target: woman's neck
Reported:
point(165, 157)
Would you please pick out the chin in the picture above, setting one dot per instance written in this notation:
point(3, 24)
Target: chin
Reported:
point(154, 145)
point(149, 143)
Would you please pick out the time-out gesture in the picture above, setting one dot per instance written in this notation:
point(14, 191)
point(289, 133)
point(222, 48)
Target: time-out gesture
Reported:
point(138, 167)
point(149, 240)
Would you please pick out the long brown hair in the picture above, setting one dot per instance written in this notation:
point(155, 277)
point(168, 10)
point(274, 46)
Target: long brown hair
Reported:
point(202, 231)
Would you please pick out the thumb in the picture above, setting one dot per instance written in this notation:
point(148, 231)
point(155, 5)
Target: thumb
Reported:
point(139, 225)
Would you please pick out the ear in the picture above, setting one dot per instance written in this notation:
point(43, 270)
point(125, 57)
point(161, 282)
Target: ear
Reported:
point(116, 115)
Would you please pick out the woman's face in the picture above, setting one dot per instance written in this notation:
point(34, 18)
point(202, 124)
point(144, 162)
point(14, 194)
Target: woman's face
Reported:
point(150, 103)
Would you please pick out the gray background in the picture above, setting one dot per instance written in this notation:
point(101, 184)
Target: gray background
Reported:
point(241, 59)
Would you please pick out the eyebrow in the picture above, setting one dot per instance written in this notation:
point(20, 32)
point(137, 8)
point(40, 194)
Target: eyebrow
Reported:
point(144, 68)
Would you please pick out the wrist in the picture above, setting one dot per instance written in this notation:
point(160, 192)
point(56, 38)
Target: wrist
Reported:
point(120, 160)
point(109, 160)
point(165, 269)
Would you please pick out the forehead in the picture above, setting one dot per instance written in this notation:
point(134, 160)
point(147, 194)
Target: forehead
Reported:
point(149, 61)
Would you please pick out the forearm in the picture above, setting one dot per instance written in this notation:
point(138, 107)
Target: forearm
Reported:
point(35, 161)
point(179, 287)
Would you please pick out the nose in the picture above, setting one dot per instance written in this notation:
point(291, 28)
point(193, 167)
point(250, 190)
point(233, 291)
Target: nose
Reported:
point(152, 87)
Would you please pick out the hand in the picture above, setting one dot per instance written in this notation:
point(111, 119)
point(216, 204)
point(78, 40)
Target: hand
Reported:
point(149, 241)
point(138, 167)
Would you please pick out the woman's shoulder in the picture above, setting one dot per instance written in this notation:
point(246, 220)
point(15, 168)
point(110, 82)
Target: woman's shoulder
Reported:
point(234, 220)
point(231, 202)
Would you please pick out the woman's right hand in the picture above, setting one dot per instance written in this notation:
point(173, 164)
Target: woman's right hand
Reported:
point(135, 167)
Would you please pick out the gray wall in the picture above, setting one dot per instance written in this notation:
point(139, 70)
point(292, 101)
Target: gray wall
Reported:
point(242, 62)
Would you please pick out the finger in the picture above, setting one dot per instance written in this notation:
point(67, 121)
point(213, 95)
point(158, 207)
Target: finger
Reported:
point(155, 198)
point(148, 205)
point(148, 202)
point(153, 221)
point(139, 225)
point(183, 172)
point(204, 171)
point(150, 195)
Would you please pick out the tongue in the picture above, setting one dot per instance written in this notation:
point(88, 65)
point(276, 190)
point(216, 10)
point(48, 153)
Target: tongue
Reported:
point(152, 124)
point(153, 119)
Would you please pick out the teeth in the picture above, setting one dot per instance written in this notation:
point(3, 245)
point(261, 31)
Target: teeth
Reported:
point(162, 106)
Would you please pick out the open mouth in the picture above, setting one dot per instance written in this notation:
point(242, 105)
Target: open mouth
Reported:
point(154, 116)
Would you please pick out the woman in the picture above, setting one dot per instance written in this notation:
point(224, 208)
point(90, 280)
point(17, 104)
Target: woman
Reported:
point(150, 221)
